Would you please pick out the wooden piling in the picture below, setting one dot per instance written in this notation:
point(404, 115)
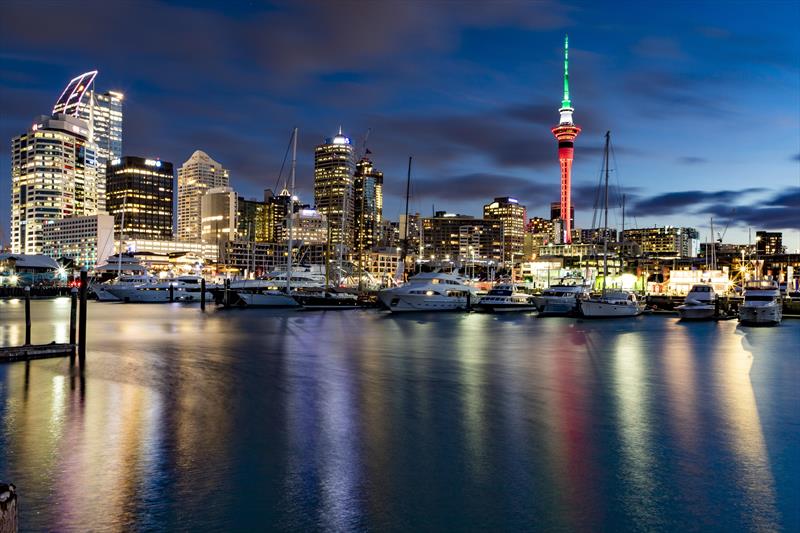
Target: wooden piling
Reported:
point(203, 294)
point(8, 508)
point(82, 320)
point(27, 316)
point(73, 315)
point(227, 290)
point(171, 292)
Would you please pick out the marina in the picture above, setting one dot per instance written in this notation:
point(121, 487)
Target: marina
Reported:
point(429, 421)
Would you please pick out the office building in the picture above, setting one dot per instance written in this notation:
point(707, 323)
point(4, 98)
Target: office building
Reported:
point(277, 210)
point(412, 225)
point(666, 241)
point(142, 189)
point(218, 215)
point(88, 241)
point(555, 218)
point(367, 205)
point(309, 226)
point(54, 175)
point(251, 220)
point(454, 237)
point(196, 176)
point(512, 215)
point(598, 235)
point(769, 242)
point(334, 166)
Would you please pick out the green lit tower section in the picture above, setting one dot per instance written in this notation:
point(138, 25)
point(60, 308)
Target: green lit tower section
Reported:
point(565, 132)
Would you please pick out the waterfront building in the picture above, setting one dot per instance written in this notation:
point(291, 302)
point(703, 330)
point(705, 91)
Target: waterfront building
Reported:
point(54, 175)
point(261, 258)
point(389, 234)
point(334, 167)
point(142, 189)
point(769, 242)
point(598, 235)
point(415, 231)
point(367, 205)
point(667, 241)
point(173, 247)
point(88, 241)
point(454, 237)
point(196, 176)
point(381, 263)
point(218, 215)
point(251, 220)
point(539, 225)
point(512, 216)
point(309, 226)
point(566, 132)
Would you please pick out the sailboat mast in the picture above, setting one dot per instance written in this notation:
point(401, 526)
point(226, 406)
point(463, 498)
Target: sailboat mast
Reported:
point(605, 215)
point(405, 230)
point(291, 213)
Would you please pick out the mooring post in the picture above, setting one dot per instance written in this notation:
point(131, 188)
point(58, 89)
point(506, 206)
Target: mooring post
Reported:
point(171, 292)
point(27, 316)
point(203, 294)
point(82, 320)
point(227, 287)
point(73, 315)
point(8, 508)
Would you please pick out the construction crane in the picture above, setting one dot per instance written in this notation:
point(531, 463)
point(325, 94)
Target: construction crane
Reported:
point(721, 236)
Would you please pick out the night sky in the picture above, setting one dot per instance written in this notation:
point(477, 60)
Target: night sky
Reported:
point(702, 99)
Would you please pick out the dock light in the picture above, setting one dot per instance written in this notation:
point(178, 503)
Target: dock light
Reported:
point(13, 279)
point(62, 272)
point(429, 293)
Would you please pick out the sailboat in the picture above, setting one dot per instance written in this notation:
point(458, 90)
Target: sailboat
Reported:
point(610, 303)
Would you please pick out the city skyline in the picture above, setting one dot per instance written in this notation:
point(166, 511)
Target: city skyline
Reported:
point(472, 99)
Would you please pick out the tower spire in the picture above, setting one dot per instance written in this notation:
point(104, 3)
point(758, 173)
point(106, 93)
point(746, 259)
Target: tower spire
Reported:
point(566, 102)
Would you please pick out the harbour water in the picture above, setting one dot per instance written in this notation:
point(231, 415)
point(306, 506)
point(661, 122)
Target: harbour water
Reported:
point(247, 420)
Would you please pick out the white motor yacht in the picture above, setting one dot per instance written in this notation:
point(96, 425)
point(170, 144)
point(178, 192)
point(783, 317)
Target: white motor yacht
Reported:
point(762, 304)
point(563, 297)
point(430, 291)
point(126, 271)
point(612, 304)
point(505, 297)
point(101, 290)
point(184, 289)
point(700, 303)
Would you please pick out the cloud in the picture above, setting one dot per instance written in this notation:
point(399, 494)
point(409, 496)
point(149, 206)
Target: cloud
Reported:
point(691, 160)
point(484, 187)
point(796, 157)
point(684, 201)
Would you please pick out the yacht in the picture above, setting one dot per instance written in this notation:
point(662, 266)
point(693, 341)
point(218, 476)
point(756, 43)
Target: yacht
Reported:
point(430, 291)
point(120, 269)
point(184, 289)
point(326, 299)
point(563, 297)
point(101, 290)
point(272, 290)
point(506, 297)
point(700, 303)
point(612, 304)
point(762, 304)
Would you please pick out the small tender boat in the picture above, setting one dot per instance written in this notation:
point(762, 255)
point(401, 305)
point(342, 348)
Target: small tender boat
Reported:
point(700, 303)
point(505, 297)
point(762, 304)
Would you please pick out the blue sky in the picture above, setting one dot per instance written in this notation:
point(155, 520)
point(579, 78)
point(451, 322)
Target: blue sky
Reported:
point(703, 99)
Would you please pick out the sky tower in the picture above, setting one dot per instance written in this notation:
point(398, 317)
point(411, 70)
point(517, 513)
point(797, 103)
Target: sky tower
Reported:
point(565, 132)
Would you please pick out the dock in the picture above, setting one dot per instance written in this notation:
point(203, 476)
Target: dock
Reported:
point(36, 351)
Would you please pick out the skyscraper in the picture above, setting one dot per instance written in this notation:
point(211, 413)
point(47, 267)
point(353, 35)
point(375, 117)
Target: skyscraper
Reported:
point(142, 189)
point(334, 166)
point(218, 215)
point(367, 205)
point(198, 174)
point(512, 215)
point(103, 115)
point(565, 132)
point(54, 175)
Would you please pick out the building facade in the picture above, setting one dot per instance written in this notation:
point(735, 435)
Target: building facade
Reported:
point(309, 226)
point(512, 216)
point(251, 220)
point(88, 240)
point(218, 215)
point(667, 241)
point(142, 189)
point(367, 205)
point(196, 176)
point(453, 237)
point(54, 175)
point(769, 242)
point(334, 167)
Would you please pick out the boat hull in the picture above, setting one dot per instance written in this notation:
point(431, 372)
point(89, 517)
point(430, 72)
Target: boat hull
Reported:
point(403, 303)
point(323, 303)
point(154, 296)
point(770, 315)
point(593, 309)
point(697, 312)
point(104, 295)
point(556, 306)
point(256, 299)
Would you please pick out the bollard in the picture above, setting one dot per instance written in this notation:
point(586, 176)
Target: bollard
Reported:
point(227, 287)
point(171, 292)
point(8, 508)
point(82, 318)
point(27, 316)
point(73, 314)
point(203, 294)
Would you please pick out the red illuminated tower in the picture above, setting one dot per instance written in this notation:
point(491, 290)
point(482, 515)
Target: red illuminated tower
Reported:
point(565, 132)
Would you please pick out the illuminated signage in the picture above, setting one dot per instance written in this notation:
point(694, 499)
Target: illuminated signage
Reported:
point(152, 163)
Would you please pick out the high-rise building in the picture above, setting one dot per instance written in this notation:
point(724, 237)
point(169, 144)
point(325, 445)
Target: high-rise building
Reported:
point(54, 175)
point(251, 220)
point(512, 215)
point(667, 241)
point(334, 166)
point(453, 237)
point(555, 215)
point(88, 241)
point(769, 242)
point(367, 205)
point(598, 235)
point(196, 176)
point(218, 215)
point(565, 132)
point(410, 233)
point(277, 209)
point(141, 189)
point(309, 226)
point(103, 115)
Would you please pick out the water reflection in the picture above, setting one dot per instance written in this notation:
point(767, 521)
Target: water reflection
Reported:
point(359, 421)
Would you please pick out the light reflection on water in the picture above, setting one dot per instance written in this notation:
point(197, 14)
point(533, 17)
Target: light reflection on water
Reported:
point(362, 421)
